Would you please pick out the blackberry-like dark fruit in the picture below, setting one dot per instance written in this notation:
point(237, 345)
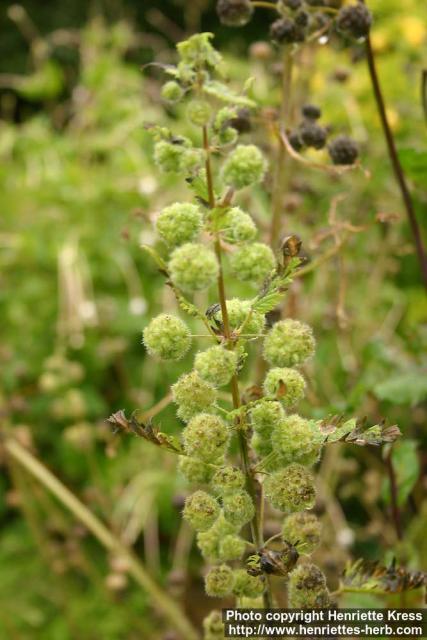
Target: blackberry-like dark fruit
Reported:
point(354, 20)
point(343, 150)
point(242, 121)
point(295, 140)
point(302, 18)
point(234, 13)
point(312, 134)
point(311, 112)
point(285, 31)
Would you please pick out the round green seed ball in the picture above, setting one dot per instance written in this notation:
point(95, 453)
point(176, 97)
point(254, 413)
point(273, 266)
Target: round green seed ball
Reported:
point(289, 343)
point(206, 437)
point(180, 222)
point(216, 365)
point(285, 384)
point(195, 471)
point(168, 156)
point(265, 415)
point(237, 313)
point(302, 529)
point(307, 588)
point(193, 267)
point(237, 226)
point(201, 510)
point(172, 91)
point(228, 480)
point(192, 395)
point(167, 337)
point(296, 439)
point(261, 444)
point(238, 508)
point(199, 112)
point(219, 581)
point(231, 547)
point(252, 262)
point(245, 166)
point(291, 489)
point(213, 627)
point(246, 585)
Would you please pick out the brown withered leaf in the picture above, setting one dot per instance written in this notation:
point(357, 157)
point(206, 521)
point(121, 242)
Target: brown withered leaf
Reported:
point(337, 429)
point(144, 430)
point(373, 577)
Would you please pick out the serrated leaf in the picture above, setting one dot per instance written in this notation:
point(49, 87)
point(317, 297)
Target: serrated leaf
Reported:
point(199, 187)
point(222, 92)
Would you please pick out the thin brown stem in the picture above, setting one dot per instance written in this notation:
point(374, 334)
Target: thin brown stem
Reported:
point(394, 159)
point(393, 495)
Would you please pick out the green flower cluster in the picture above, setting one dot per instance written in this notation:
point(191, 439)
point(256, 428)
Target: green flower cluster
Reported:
point(302, 529)
point(167, 337)
point(179, 223)
point(307, 588)
point(193, 395)
point(291, 489)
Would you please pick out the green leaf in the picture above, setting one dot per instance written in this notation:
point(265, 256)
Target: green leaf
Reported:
point(220, 91)
point(405, 388)
point(268, 302)
point(406, 466)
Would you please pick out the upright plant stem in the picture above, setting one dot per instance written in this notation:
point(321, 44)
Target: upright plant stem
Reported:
point(158, 597)
point(394, 159)
point(285, 111)
point(256, 528)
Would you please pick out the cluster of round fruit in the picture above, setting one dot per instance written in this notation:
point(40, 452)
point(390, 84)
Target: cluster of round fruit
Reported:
point(342, 149)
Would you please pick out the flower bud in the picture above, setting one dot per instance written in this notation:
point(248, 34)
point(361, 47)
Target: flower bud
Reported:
point(244, 166)
point(307, 588)
point(290, 489)
point(265, 415)
point(252, 262)
point(289, 343)
point(201, 510)
point(302, 529)
point(195, 471)
point(238, 311)
point(219, 581)
point(231, 547)
point(287, 385)
point(168, 156)
point(234, 13)
point(246, 585)
point(228, 480)
point(193, 267)
point(172, 91)
point(199, 112)
point(206, 437)
point(216, 365)
point(192, 395)
point(237, 226)
point(180, 222)
point(295, 439)
point(238, 508)
point(167, 337)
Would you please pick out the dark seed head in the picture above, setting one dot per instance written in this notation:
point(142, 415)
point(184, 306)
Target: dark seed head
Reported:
point(295, 140)
point(312, 134)
point(355, 20)
point(311, 112)
point(343, 150)
point(286, 31)
point(292, 4)
point(302, 18)
point(242, 121)
point(234, 13)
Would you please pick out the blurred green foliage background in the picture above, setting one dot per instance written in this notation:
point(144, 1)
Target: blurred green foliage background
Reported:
point(78, 191)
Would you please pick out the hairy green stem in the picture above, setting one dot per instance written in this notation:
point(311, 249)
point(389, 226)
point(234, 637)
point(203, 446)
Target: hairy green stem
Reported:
point(256, 528)
point(160, 600)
